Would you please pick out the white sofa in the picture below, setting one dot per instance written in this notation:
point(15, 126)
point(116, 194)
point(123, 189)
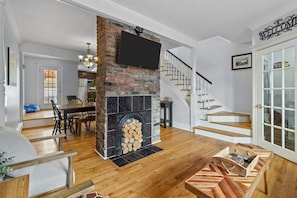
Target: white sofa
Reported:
point(46, 172)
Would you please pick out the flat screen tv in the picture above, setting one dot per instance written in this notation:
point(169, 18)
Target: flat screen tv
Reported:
point(137, 51)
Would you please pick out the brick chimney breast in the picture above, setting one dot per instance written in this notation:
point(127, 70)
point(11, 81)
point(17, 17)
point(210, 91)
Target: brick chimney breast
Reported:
point(121, 80)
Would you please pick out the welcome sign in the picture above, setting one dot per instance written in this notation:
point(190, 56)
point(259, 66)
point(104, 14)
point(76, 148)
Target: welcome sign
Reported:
point(279, 26)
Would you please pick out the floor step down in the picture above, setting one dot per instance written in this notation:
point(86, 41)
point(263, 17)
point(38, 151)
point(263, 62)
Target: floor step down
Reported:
point(237, 128)
point(228, 117)
point(243, 125)
point(222, 134)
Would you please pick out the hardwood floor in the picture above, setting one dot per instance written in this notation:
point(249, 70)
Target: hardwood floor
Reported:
point(161, 174)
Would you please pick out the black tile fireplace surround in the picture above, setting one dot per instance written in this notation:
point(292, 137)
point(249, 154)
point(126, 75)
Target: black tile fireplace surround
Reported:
point(119, 110)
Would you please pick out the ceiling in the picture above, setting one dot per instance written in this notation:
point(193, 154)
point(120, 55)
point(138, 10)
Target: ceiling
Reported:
point(53, 23)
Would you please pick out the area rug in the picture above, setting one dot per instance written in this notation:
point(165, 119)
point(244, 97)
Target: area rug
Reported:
point(135, 155)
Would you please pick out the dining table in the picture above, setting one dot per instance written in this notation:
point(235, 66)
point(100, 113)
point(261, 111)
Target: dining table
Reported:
point(74, 108)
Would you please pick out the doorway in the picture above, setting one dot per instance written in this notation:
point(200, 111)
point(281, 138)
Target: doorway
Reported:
point(49, 86)
point(276, 96)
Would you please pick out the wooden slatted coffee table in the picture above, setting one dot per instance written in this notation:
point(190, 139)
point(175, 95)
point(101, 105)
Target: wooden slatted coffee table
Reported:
point(212, 181)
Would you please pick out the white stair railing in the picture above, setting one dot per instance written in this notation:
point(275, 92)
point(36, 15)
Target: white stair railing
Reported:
point(181, 73)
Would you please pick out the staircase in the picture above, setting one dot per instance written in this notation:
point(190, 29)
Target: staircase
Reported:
point(228, 126)
point(212, 118)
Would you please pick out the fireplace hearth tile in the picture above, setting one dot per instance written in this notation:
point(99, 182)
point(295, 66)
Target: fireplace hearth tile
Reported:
point(156, 149)
point(135, 155)
point(132, 157)
point(120, 162)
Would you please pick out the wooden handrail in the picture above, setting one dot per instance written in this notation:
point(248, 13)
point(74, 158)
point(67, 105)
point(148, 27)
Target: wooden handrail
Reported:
point(189, 67)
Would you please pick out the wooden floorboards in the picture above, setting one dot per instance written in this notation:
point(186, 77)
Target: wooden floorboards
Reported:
point(160, 175)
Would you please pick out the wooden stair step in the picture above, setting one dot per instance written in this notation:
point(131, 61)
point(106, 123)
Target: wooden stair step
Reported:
point(222, 132)
point(211, 107)
point(243, 125)
point(226, 113)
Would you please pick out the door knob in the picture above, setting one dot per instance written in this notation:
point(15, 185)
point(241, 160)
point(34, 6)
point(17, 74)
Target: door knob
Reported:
point(259, 106)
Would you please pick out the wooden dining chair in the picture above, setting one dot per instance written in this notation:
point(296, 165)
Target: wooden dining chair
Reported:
point(57, 118)
point(74, 100)
point(91, 115)
point(73, 117)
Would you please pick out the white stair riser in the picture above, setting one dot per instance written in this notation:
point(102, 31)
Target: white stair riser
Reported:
point(229, 128)
point(228, 118)
point(245, 140)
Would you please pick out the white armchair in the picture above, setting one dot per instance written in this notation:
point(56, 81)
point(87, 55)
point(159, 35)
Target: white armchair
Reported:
point(47, 172)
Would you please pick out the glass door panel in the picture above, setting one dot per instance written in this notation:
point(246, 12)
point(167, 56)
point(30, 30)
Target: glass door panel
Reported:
point(276, 128)
point(49, 86)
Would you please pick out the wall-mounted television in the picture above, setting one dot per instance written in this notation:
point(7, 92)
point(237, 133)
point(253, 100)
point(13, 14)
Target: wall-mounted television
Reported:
point(138, 51)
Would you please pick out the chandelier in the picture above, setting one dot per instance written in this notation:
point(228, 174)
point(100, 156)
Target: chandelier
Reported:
point(90, 60)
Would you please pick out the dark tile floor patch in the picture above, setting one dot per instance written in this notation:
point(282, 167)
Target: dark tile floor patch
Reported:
point(135, 155)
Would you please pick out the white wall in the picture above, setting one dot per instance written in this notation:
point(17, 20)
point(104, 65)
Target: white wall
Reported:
point(232, 88)
point(242, 82)
point(12, 93)
point(69, 79)
point(180, 108)
point(214, 63)
point(12, 107)
point(2, 65)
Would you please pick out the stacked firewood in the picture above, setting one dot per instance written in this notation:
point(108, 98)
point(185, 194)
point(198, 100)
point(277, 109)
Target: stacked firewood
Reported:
point(132, 135)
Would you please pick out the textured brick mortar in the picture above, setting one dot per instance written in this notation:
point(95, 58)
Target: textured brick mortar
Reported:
point(115, 80)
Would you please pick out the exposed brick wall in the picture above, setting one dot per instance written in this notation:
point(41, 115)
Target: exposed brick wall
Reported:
point(116, 80)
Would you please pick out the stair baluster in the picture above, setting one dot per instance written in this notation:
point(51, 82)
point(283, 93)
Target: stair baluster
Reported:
point(181, 73)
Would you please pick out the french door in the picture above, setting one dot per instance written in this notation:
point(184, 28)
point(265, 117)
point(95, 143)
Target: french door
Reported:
point(49, 86)
point(276, 99)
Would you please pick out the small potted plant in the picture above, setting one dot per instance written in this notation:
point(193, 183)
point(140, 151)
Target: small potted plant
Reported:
point(4, 169)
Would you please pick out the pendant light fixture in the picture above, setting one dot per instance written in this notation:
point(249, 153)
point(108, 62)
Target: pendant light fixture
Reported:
point(90, 60)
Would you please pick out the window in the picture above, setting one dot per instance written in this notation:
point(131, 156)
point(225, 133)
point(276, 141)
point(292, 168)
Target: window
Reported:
point(50, 85)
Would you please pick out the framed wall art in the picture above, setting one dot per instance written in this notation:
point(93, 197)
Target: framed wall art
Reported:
point(11, 68)
point(242, 61)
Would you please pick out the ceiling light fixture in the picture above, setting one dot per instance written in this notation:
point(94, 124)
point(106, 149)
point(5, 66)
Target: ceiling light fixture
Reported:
point(90, 59)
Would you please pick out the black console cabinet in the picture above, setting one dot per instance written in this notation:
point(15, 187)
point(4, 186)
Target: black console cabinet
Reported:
point(166, 105)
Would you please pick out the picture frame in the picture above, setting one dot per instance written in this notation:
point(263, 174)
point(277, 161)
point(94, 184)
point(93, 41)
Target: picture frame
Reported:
point(11, 68)
point(242, 61)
